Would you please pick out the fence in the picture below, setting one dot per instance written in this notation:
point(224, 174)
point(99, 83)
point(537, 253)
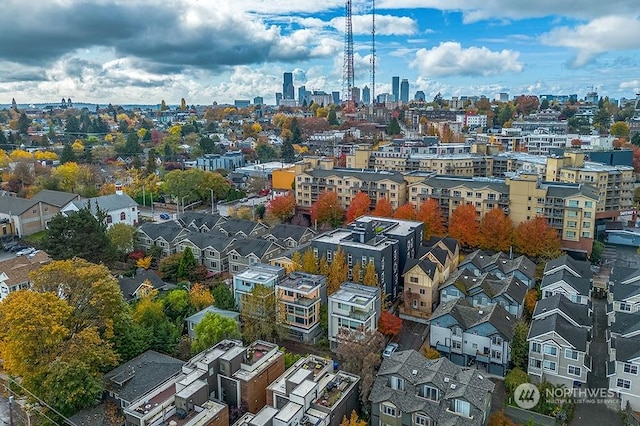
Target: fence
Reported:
point(521, 416)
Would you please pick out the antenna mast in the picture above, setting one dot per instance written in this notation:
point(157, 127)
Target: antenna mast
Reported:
point(373, 52)
point(347, 82)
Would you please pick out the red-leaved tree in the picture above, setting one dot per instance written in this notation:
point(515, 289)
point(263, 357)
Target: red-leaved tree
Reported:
point(327, 209)
point(282, 208)
point(383, 208)
point(389, 324)
point(464, 226)
point(430, 214)
point(496, 231)
point(536, 238)
point(406, 211)
point(360, 205)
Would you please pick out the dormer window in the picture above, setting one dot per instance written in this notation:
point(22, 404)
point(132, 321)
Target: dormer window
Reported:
point(461, 407)
point(428, 392)
point(396, 383)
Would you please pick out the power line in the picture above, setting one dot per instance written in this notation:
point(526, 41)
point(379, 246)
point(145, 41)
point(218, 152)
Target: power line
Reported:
point(66, 420)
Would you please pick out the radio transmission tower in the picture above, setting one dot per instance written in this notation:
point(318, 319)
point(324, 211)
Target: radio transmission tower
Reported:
point(373, 51)
point(347, 82)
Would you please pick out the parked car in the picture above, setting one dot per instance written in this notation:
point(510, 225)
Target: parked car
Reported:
point(164, 216)
point(32, 254)
point(389, 350)
point(25, 251)
point(16, 248)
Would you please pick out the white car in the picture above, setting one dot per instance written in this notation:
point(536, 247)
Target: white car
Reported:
point(389, 350)
point(26, 251)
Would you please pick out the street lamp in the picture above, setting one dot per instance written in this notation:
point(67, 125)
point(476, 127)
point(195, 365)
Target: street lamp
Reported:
point(212, 198)
point(183, 203)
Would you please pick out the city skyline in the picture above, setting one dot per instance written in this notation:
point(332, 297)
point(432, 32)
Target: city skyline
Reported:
point(145, 51)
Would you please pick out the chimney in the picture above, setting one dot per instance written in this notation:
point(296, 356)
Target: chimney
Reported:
point(118, 188)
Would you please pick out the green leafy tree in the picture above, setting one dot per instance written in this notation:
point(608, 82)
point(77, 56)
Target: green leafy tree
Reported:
point(168, 267)
point(132, 146)
point(23, 123)
point(67, 155)
point(122, 237)
point(394, 127)
point(177, 305)
point(212, 329)
point(265, 152)
point(78, 234)
point(187, 263)
point(223, 297)
point(519, 345)
point(149, 313)
point(150, 167)
point(513, 379)
point(596, 252)
point(332, 118)
point(259, 316)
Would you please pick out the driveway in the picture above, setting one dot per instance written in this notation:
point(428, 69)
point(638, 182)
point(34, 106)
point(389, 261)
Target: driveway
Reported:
point(412, 336)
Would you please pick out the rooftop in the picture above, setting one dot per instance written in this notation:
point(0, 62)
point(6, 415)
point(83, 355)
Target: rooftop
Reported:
point(260, 273)
point(356, 294)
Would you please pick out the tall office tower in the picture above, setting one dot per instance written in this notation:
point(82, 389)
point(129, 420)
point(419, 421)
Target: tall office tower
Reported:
point(355, 95)
point(404, 91)
point(419, 96)
point(366, 95)
point(336, 98)
point(303, 95)
point(258, 100)
point(288, 91)
point(395, 88)
point(278, 98)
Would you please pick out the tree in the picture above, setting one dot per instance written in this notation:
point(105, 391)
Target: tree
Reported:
point(536, 238)
point(23, 123)
point(200, 297)
point(296, 262)
point(309, 262)
point(389, 324)
point(619, 129)
point(259, 315)
point(132, 146)
point(496, 231)
point(327, 210)
point(78, 234)
point(223, 297)
point(144, 262)
point(464, 226)
point(429, 213)
point(383, 208)
point(67, 155)
point(212, 329)
point(530, 301)
point(338, 272)
point(406, 211)
point(287, 151)
point(149, 314)
point(431, 353)
point(360, 205)
point(354, 420)
point(513, 379)
point(597, 248)
point(122, 237)
point(394, 127)
point(187, 264)
point(499, 418)
point(282, 208)
point(519, 345)
point(332, 117)
point(370, 277)
point(357, 273)
point(177, 305)
point(169, 266)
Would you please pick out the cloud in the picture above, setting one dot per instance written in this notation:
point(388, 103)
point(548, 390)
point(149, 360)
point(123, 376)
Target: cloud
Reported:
point(481, 10)
point(449, 58)
point(598, 36)
point(386, 25)
point(633, 84)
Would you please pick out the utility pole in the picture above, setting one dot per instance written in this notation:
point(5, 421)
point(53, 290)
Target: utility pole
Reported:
point(10, 410)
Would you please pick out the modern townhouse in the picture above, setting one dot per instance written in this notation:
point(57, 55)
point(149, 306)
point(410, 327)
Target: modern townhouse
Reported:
point(624, 290)
point(200, 222)
point(354, 307)
point(257, 274)
point(412, 390)
point(241, 228)
point(14, 272)
point(310, 392)
point(466, 334)
point(210, 249)
point(117, 208)
point(290, 236)
point(228, 374)
point(166, 236)
point(500, 265)
point(569, 277)
point(248, 251)
point(317, 175)
point(622, 370)
point(559, 341)
point(485, 290)
point(298, 299)
point(141, 284)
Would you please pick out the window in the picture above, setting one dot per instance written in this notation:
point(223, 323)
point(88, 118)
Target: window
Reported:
point(496, 354)
point(426, 391)
point(413, 279)
point(574, 203)
point(623, 383)
point(549, 365)
point(460, 407)
point(551, 350)
point(123, 216)
point(573, 370)
point(456, 344)
point(631, 369)
point(388, 410)
point(422, 291)
point(570, 354)
point(535, 363)
point(536, 347)
point(625, 307)
point(496, 340)
point(109, 219)
point(397, 383)
point(588, 204)
point(456, 331)
point(422, 420)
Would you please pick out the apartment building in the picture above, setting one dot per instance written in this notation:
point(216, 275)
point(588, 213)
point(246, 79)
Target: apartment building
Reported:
point(353, 307)
point(227, 373)
point(165, 235)
point(310, 392)
point(468, 334)
point(412, 390)
point(559, 341)
point(298, 300)
point(317, 175)
point(257, 274)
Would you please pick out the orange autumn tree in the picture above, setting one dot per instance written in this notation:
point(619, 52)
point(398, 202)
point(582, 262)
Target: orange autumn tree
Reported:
point(406, 211)
point(430, 214)
point(496, 231)
point(327, 209)
point(536, 238)
point(383, 208)
point(282, 208)
point(389, 324)
point(464, 226)
point(360, 205)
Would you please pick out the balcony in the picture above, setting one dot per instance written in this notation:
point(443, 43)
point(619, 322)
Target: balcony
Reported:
point(443, 348)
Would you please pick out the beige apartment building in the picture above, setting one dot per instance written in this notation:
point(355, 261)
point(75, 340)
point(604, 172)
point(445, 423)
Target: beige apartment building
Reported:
point(315, 175)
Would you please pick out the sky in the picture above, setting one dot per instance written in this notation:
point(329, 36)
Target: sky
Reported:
point(145, 51)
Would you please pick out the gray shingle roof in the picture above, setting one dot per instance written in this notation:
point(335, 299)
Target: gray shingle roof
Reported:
point(234, 226)
point(128, 285)
point(625, 323)
point(283, 231)
point(106, 202)
point(581, 267)
point(453, 382)
point(563, 190)
point(621, 273)
point(427, 266)
point(450, 243)
point(469, 316)
point(576, 311)
point(623, 291)
point(14, 205)
point(627, 348)
point(199, 219)
point(213, 239)
point(247, 246)
point(135, 378)
point(577, 337)
point(581, 285)
point(167, 230)
point(55, 198)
